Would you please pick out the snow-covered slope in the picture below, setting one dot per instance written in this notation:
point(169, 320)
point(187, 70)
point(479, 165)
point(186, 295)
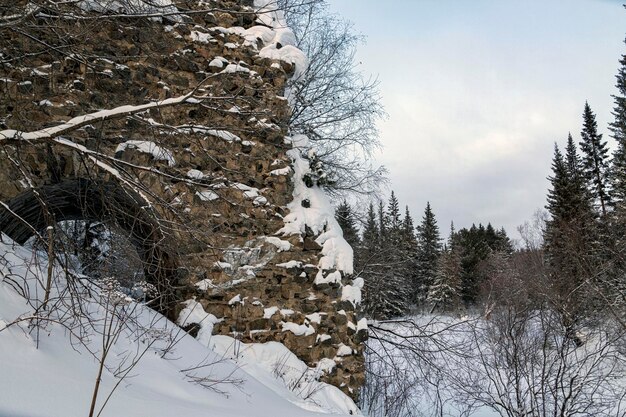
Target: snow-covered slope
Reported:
point(49, 366)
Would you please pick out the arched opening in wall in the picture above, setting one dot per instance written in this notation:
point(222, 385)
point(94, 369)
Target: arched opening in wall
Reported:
point(99, 229)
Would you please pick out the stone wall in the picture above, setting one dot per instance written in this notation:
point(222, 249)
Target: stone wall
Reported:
point(220, 179)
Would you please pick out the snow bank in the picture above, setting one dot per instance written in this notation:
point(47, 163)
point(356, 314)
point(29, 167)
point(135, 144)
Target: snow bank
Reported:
point(50, 369)
point(279, 369)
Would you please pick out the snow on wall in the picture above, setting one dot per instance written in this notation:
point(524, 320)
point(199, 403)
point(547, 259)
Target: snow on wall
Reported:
point(130, 7)
point(319, 217)
point(145, 146)
point(194, 313)
point(282, 46)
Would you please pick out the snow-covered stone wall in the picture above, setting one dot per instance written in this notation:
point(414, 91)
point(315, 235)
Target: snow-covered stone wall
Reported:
point(190, 111)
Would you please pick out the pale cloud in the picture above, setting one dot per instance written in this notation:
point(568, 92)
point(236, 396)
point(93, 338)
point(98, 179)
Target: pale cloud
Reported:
point(478, 92)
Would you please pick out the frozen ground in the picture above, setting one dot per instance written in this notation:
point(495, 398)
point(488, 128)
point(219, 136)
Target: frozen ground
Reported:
point(49, 365)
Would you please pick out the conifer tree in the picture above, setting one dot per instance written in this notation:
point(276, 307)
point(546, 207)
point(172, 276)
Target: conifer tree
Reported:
point(618, 130)
point(503, 243)
point(386, 290)
point(382, 223)
point(444, 293)
point(557, 195)
point(410, 248)
point(393, 212)
point(595, 161)
point(396, 259)
point(369, 251)
point(452, 237)
point(474, 249)
point(408, 229)
point(615, 282)
point(369, 262)
point(371, 233)
point(569, 237)
point(346, 219)
point(428, 250)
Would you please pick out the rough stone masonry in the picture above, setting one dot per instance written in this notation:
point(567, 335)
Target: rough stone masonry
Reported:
point(214, 168)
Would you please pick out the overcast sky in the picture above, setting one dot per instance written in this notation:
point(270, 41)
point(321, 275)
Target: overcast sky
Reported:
point(477, 92)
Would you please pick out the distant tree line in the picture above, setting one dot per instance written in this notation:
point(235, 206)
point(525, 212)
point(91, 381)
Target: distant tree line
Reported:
point(408, 268)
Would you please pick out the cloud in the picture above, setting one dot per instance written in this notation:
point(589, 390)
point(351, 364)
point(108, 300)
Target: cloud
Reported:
point(478, 92)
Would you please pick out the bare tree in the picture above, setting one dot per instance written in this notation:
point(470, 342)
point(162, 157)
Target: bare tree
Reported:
point(333, 102)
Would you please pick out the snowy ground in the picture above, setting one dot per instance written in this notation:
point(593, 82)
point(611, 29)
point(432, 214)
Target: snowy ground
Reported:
point(515, 363)
point(152, 369)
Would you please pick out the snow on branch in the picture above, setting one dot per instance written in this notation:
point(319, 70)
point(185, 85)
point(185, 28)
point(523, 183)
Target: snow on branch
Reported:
point(101, 115)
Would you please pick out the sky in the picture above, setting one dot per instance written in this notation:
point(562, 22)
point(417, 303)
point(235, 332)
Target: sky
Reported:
point(477, 93)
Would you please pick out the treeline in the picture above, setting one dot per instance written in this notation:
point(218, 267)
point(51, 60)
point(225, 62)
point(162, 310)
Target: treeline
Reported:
point(408, 267)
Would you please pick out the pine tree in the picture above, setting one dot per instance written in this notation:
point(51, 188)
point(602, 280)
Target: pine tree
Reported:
point(346, 219)
point(595, 161)
point(428, 250)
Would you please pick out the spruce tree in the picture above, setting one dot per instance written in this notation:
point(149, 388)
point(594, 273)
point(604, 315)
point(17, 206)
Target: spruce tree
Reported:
point(393, 212)
point(444, 293)
point(615, 283)
point(503, 243)
point(557, 195)
point(346, 219)
point(397, 260)
point(428, 250)
point(408, 229)
point(386, 290)
point(618, 130)
point(410, 248)
point(474, 249)
point(382, 223)
point(369, 260)
point(371, 233)
point(569, 237)
point(595, 161)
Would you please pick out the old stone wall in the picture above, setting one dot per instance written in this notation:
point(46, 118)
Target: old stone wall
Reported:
point(215, 168)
